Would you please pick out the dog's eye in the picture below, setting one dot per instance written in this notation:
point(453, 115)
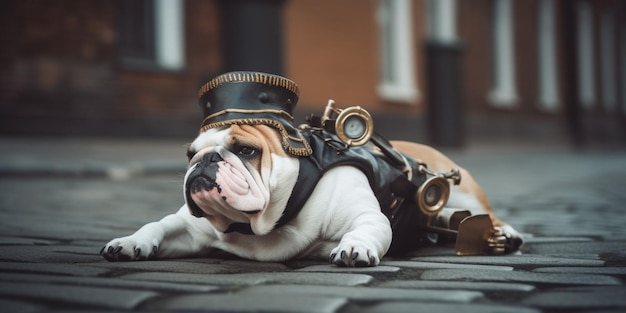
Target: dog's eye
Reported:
point(246, 151)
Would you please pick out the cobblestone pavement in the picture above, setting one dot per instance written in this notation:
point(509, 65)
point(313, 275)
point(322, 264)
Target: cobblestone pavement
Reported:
point(61, 200)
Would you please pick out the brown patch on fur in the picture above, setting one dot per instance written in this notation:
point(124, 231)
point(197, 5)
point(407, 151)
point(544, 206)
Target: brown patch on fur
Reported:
point(261, 137)
point(438, 162)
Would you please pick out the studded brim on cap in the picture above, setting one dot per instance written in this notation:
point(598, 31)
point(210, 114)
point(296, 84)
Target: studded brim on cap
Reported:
point(253, 98)
point(249, 77)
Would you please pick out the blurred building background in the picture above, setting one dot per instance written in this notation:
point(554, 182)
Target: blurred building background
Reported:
point(440, 71)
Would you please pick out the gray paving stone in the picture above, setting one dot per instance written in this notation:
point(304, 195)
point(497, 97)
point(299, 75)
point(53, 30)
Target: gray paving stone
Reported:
point(77, 295)
point(105, 282)
point(18, 306)
point(93, 244)
point(607, 310)
point(53, 268)
point(614, 256)
point(579, 298)
point(572, 220)
point(583, 270)
point(430, 265)
point(575, 247)
point(250, 266)
point(580, 256)
point(328, 279)
point(56, 227)
point(336, 269)
point(532, 240)
point(250, 303)
point(170, 266)
point(513, 260)
point(53, 254)
point(523, 277)
point(9, 240)
point(457, 285)
point(412, 307)
point(364, 293)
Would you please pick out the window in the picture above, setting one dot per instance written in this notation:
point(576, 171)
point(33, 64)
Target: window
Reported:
point(503, 92)
point(151, 34)
point(397, 81)
point(442, 20)
point(548, 90)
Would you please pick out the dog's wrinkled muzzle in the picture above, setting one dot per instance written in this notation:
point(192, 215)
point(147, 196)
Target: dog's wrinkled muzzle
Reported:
point(202, 178)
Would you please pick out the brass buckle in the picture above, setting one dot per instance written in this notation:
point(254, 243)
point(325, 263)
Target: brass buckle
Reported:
point(477, 235)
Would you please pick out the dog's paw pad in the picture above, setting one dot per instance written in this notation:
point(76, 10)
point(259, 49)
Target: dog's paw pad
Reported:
point(126, 249)
point(342, 260)
point(141, 254)
point(353, 257)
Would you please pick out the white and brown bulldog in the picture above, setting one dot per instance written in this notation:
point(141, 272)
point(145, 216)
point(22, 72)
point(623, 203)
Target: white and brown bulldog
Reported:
point(248, 191)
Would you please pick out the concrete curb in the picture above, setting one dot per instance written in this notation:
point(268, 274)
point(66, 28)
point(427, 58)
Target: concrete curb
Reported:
point(90, 157)
point(91, 170)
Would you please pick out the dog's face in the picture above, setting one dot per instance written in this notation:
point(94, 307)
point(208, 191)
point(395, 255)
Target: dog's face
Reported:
point(239, 174)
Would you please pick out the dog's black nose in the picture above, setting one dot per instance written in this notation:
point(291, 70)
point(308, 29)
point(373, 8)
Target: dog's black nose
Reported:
point(208, 166)
point(209, 158)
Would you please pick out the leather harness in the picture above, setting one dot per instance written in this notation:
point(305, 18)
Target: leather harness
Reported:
point(390, 183)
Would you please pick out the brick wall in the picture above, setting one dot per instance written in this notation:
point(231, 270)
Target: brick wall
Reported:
point(60, 72)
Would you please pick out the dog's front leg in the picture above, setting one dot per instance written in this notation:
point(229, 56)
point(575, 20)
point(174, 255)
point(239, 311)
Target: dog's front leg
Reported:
point(365, 232)
point(365, 243)
point(176, 235)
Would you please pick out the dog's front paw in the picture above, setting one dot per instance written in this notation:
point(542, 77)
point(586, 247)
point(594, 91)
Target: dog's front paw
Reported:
point(353, 255)
point(130, 249)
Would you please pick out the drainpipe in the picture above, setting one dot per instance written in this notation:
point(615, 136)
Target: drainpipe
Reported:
point(446, 122)
point(572, 101)
point(252, 35)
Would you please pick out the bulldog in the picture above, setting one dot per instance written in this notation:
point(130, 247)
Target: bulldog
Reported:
point(259, 187)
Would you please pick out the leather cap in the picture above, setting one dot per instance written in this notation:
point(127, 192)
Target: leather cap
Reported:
point(253, 98)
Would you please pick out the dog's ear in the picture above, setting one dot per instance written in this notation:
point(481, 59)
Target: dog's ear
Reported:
point(190, 152)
